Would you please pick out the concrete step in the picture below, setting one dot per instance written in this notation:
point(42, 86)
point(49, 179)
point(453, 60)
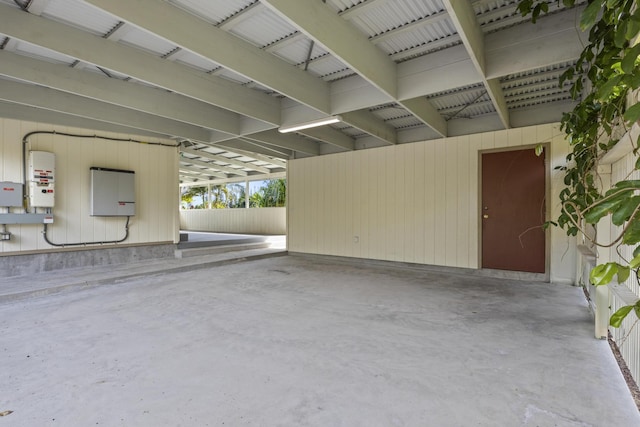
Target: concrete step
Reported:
point(74, 279)
point(211, 250)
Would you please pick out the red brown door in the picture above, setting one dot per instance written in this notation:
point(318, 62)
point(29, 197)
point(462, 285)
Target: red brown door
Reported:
point(513, 210)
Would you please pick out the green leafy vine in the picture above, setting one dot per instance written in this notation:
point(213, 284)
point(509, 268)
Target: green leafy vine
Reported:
point(604, 82)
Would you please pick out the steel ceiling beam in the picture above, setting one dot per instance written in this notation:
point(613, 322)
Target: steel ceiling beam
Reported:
point(118, 92)
point(50, 99)
point(464, 19)
point(288, 141)
point(138, 64)
point(25, 112)
point(222, 47)
point(215, 167)
point(339, 37)
point(207, 172)
point(223, 159)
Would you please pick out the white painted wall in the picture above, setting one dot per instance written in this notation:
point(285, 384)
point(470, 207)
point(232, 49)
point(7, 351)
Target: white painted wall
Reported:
point(414, 203)
point(156, 169)
point(271, 221)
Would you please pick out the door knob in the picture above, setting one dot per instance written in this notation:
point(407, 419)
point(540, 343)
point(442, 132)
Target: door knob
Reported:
point(485, 216)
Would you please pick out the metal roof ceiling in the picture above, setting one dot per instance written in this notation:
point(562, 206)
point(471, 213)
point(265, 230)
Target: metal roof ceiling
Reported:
point(228, 73)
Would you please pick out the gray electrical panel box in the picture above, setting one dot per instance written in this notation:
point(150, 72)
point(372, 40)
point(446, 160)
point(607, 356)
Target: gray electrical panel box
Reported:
point(10, 194)
point(112, 192)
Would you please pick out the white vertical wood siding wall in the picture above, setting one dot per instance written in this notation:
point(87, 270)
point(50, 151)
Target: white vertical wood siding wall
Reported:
point(415, 203)
point(629, 345)
point(156, 169)
point(248, 221)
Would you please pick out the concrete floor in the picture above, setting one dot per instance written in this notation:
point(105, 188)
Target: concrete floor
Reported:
point(308, 341)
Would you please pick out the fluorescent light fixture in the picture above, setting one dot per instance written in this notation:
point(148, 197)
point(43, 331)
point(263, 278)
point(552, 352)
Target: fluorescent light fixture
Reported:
point(311, 124)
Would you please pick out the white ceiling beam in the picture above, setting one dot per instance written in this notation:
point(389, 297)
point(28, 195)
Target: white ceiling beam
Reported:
point(288, 141)
point(339, 37)
point(11, 110)
point(422, 109)
point(431, 46)
point(41, 97)
point(355, 93)
point(256, 177)
point(330, 136)
point(538, 114)
point(267, 159)
point(138, 64)
point(436, 72)
point(36, 7)
point(361, 8)
point(284, 42)
point(215, 167)
point(240, 145)
point(552, 40)
point(368, 123)
point(245, 13)
point(222, 47)
point(451, 68)
point(411, 26)
point(223, 159)
point(207, 172)
point(125, 94)
point(464, 19)
point(118, 32)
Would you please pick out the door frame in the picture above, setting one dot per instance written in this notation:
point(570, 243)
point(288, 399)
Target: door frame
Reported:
point(547, 184)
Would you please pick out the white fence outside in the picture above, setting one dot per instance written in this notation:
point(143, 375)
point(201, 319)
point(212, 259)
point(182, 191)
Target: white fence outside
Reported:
point(271, 221)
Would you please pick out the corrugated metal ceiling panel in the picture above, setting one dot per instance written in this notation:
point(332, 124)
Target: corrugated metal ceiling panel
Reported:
point(322, 64)
point(420, 50)
point(396, 116)
point(402, 41)
point(457, 97)
point(390, 15)
point(80, 15)
point(327, 66)
point(38, 52)
point(296, 51)
point(349, 130)
point(497, 13)
point(342, 74)
point(389, 111)
point(536, 87)
point(466, 102)
point(409, 121)
point(263, 28)
point(494, 15)
point(261, 88)
point(230, 75)
point(196, 61)
point(214, 11)
point(342, 5)
point(147, 41)
point(551, 72)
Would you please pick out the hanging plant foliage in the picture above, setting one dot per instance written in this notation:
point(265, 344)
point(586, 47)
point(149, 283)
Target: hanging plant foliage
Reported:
point(603, 77)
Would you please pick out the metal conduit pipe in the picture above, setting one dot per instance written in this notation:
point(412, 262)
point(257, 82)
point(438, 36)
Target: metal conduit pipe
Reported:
point(61, 245)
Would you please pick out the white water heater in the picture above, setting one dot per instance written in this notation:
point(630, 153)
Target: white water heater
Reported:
point(42, 171)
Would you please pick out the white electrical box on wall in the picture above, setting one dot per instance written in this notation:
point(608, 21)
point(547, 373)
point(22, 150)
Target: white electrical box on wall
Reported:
point(10, 194)
point(112, 192)
point(42, 170)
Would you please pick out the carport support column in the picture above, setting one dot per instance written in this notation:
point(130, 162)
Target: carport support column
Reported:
point(246, 194)
point(208, 196)
point(602, 297)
